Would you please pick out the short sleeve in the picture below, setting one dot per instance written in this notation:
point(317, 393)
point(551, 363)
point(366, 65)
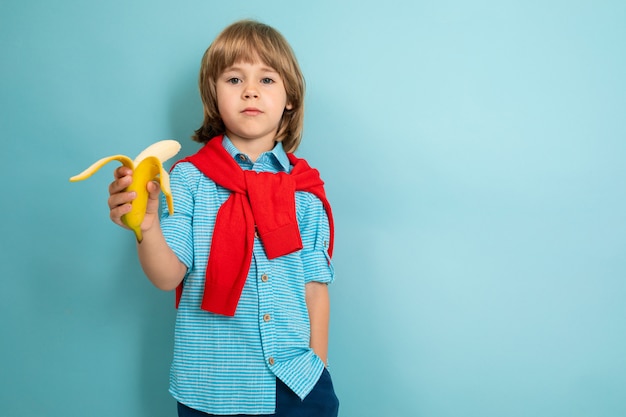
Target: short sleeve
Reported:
point(177, 228)
point(315, 233)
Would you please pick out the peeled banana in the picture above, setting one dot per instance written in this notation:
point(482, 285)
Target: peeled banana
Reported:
point(147, 166)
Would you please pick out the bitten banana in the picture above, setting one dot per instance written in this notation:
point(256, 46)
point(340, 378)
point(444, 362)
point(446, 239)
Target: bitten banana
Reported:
point(147, 166)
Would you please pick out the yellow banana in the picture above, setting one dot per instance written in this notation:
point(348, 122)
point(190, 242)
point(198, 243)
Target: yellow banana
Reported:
point(147, 166)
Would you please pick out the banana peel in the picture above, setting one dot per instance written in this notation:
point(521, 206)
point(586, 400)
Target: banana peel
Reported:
point(147, 166)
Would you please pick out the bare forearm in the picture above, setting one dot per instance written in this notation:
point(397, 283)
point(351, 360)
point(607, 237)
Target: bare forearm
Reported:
point(318, 305)
point(159, 262)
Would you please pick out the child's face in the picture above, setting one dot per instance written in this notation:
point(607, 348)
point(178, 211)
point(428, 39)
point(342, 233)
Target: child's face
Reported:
point(251, 99)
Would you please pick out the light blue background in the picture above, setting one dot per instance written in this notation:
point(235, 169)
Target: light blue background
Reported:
point(474, 155)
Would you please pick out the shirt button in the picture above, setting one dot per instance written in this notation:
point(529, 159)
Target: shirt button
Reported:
point(267, 318)
point(271, 361)
point(264, 278)
point(242, 157)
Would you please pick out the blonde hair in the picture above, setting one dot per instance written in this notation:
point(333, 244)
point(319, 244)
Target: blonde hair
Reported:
point(250, 41)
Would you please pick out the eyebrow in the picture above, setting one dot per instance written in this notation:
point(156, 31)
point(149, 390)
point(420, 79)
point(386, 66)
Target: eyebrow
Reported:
point(236, 68)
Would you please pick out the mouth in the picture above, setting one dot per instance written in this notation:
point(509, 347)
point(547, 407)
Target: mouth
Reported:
point(251, 111)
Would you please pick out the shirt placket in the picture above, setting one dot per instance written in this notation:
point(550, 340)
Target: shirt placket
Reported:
point(264, 279)
point(266, 319)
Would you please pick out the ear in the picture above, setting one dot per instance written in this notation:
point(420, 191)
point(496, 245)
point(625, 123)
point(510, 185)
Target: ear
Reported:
point(289, 106)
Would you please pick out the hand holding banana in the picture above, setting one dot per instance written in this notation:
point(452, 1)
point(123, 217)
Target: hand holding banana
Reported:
point(147, 166)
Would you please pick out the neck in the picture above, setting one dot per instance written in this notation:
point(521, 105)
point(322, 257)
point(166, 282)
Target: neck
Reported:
point(252, 147)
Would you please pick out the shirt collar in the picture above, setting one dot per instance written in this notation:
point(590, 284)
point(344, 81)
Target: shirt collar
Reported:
point(277, 153)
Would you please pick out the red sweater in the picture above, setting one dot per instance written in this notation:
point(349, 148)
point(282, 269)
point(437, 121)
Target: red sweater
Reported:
point(260, 202)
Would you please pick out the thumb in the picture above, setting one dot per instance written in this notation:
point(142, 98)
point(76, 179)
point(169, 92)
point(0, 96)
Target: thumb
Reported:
point(154, 189)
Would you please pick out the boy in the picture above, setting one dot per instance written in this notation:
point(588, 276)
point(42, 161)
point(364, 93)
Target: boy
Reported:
point(248, 247)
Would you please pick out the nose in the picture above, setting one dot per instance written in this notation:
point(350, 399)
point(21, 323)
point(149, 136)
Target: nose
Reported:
point(250, 92)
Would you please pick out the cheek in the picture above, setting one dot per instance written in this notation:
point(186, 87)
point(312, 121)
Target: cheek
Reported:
point(223, 103)
point(222, 95)
point(285, 102)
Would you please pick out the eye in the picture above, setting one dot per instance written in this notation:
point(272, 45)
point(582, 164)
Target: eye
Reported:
point(233, 80)
point(267, 80)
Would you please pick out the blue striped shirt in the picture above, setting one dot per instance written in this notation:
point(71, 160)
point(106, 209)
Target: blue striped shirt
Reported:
point(229, 365)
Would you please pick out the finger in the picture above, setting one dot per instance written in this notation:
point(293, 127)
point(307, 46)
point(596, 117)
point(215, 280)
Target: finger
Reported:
point(120, 199)
point(122, 171)
point(120, 184)
point(117, 213)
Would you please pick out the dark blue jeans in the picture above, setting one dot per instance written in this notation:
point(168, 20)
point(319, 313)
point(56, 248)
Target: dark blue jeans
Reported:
point(321, 402)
